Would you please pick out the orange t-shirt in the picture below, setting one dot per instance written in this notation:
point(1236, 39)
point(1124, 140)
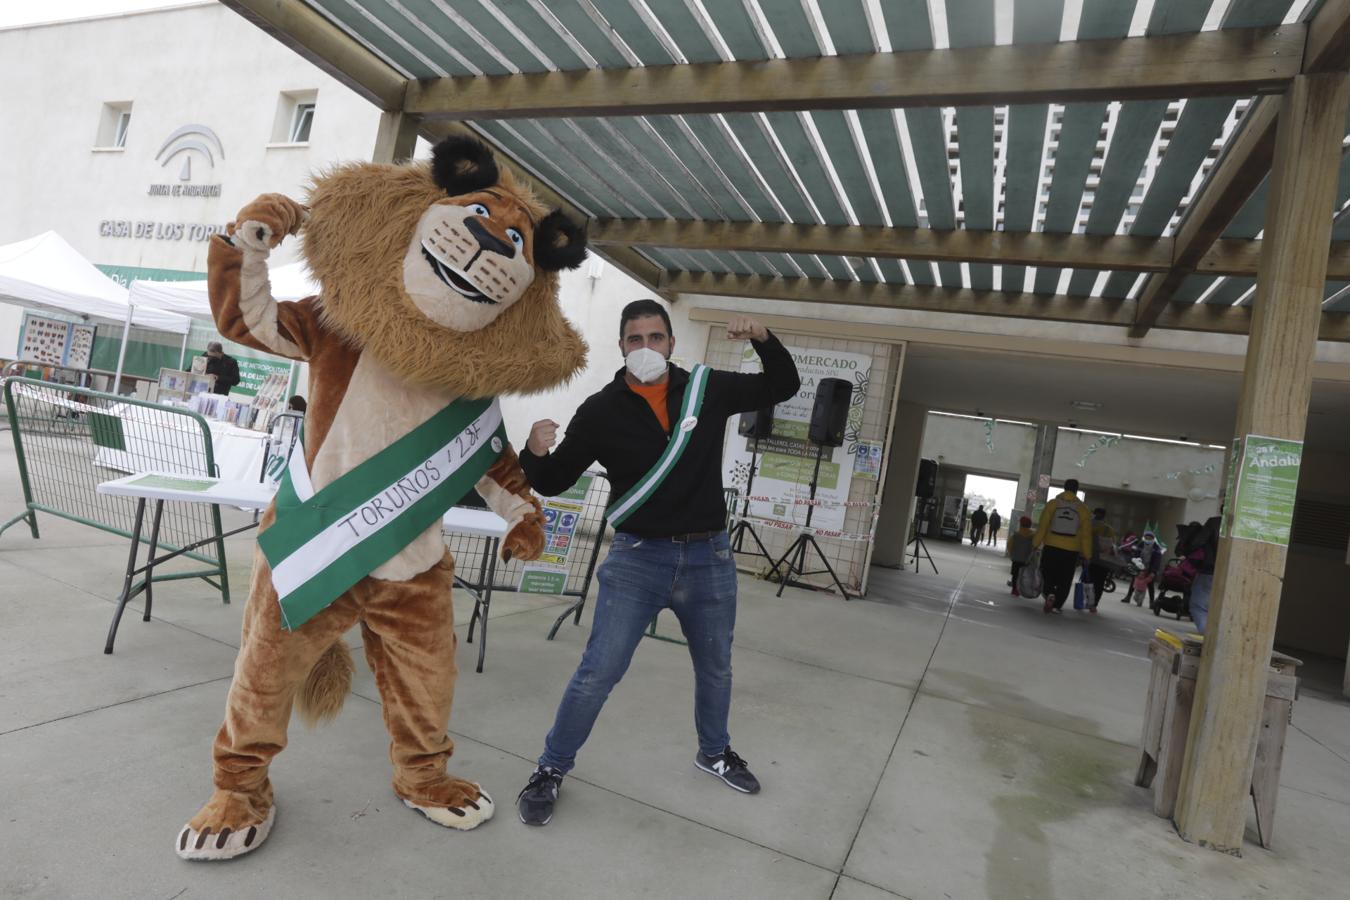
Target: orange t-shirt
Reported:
point(655, 395)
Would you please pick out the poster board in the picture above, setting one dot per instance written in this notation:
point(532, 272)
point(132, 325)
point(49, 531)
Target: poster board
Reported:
point(562, 514)
point(787, 459)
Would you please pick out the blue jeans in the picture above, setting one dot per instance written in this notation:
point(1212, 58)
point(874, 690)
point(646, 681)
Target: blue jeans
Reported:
point(1199, 602)
point(639, 578)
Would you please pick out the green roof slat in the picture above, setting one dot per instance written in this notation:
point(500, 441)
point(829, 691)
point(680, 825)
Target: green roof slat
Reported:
point(662, 259)
point(580, 159)
point(970, 23)
point(623, 18)
point(1078, 133)
point(1136, 129)
point(908, 24)
point(1103, 19)
point(732, 162)
point(374, 37)
point(1232, 288)
point(790, 26)
point(680, 24)
point(654, 154)
point(809, 265)
point(541, 33)
point(1255, 13)
point(975, 138)
point(587, 34)
point(490, 27)
point(737, 31)
point(928, 138)
point(1334, 288)
point(883, 143)
point(446, 29)
point(838, 143)
point(565, 178)
point(1192, 286)
point(847, 25)
point(743, 125)
point(802, 153)
point(635, 165)
point(1176, 16)
point(837, 268)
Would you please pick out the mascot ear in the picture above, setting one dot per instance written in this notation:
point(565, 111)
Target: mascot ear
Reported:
point(559, 243)
point(462, 165)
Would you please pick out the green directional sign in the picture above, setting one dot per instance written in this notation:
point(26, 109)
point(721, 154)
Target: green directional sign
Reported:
point(1267, 486)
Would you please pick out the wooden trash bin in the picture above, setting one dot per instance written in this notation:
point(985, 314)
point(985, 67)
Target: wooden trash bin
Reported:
point(1167, 722)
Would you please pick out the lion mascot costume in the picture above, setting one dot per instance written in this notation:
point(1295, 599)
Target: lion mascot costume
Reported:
point(438, 292)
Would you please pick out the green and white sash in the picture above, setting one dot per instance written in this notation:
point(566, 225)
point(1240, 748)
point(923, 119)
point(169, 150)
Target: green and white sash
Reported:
point(680, 436)
point(324, 542)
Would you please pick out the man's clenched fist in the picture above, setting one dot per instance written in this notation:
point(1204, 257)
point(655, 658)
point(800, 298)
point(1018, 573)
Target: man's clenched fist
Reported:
point(742, 327)
point(543, 435)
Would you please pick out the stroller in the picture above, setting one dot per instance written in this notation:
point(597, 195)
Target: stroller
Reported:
point(1174, 593)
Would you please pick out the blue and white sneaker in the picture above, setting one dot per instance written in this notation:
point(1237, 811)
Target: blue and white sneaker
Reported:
point(730, 768)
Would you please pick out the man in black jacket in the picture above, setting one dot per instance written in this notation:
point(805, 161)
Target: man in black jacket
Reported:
point(222, 366)
point(662, 449)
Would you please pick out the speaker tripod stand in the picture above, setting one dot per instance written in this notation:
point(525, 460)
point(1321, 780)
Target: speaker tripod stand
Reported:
point(743, 526)
point(795, 557)
point(917, 540)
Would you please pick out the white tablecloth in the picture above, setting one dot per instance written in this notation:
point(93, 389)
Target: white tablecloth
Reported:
point(157, 442)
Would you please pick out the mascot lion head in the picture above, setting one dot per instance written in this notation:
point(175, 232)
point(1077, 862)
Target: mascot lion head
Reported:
point(446, 271)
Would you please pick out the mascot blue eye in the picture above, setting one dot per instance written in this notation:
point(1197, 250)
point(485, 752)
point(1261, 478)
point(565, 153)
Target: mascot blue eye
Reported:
point(479, 209)
point(516, 237)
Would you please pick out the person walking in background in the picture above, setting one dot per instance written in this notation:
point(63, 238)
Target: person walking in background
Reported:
point(1103, 546)
point(1019, 548)
point(1150, 554)
point(221, 365)
point(1206, 538)
point(1065, 534)
point(978, 520)
point(995, 523)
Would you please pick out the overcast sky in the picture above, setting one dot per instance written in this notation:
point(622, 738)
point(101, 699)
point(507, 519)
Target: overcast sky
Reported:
point(23, 12)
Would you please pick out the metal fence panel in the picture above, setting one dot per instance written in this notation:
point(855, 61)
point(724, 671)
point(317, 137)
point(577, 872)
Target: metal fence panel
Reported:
point(68, 439)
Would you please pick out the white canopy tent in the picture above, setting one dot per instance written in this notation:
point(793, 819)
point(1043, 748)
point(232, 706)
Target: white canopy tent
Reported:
point(47, 272)
point(289, 282)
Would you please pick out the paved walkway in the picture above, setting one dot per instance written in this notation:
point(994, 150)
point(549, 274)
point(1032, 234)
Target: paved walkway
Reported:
point(937, 740)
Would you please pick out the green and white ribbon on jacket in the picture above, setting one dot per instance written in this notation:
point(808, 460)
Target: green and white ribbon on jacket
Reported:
point(680, 436)
point(324, 542)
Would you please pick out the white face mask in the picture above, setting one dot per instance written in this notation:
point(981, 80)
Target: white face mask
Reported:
point(645, 364)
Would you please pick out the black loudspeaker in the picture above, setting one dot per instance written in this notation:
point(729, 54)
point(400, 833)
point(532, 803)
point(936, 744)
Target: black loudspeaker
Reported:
point(757, 423)
point(926, 486)
point(830, 414)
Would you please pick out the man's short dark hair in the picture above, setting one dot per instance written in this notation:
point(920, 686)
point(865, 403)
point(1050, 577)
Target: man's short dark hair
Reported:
point(215, 346)
point(1071, 485)
point(639, 308)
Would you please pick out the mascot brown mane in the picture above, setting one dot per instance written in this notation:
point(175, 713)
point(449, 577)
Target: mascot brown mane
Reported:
point(438, 285)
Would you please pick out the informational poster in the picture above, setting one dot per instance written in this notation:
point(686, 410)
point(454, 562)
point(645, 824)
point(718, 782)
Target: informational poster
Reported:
point(81, 347)
point(787, 459)
point(44, 340)
point(562, 515)
point(867, 460)
point(1267, 486)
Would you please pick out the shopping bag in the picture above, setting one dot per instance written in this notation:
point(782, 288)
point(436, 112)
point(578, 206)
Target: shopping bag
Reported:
point(1030, 583)
point(1080, 595)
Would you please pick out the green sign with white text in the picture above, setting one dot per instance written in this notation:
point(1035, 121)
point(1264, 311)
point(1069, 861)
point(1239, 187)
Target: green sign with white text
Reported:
point(1267, 485)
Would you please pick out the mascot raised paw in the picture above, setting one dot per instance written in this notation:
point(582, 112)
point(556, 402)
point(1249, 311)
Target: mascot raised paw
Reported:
point(438, 292)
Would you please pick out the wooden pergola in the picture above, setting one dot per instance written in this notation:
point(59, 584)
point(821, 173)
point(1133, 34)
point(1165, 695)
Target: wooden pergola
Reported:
point(1103, 162)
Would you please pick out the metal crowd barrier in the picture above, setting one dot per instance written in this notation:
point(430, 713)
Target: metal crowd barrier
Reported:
point(68, 439)
point(583, 540)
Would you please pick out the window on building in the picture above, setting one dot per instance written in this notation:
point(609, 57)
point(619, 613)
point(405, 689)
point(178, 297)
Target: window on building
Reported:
point(113, 124)
point(300, 123)
point(294, 118)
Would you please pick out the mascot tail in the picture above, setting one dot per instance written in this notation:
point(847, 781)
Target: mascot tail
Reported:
point(326, 686)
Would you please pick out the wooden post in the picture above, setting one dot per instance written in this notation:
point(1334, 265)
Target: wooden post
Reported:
point(396, 137)
point(1276, 385)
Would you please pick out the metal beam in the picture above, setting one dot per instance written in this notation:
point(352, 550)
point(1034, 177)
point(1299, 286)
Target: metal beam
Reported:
point(318, 40)
point(963, 301)
point(1078, 251)
point(1230, 62)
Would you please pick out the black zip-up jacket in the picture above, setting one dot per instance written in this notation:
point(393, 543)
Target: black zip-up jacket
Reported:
point(617, 428)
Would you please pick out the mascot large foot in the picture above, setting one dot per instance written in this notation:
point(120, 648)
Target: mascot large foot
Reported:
point(454, 804)
point(229, 825)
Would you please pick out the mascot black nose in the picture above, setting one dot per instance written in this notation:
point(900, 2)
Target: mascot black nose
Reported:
point(487, 240)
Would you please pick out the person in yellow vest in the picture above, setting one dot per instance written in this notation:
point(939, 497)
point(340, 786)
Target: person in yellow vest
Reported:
point(1065, 539)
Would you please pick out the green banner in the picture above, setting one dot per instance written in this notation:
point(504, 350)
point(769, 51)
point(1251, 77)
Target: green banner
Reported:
point(125, 275)
point(543, 581)
point(1267, 486)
